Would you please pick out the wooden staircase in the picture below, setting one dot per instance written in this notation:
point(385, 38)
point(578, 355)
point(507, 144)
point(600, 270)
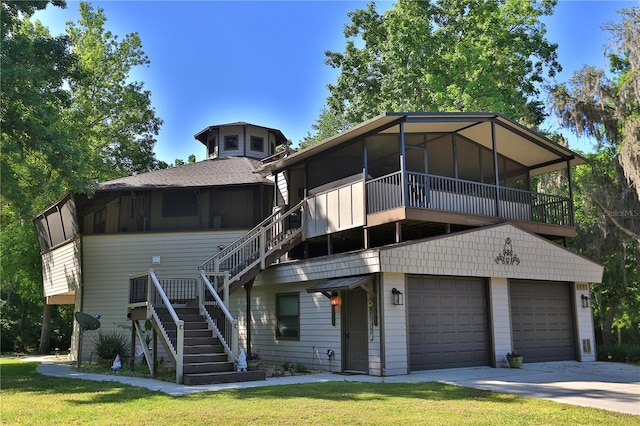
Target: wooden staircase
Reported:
point(203, 343)
point(205, 360)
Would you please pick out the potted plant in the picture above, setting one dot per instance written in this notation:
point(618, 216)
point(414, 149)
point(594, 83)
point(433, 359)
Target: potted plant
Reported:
point(514, 359)
point(252, 360)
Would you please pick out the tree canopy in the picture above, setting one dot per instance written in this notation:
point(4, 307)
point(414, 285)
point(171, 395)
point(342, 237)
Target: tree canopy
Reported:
point(449, 55)
point(606, 106)
point(70, 116)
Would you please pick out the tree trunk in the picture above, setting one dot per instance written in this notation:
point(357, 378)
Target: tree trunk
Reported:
point(45, 334)
point(608, 326)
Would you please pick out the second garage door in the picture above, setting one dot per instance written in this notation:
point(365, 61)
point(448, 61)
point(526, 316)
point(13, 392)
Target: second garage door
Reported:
point(447, 322)
point(542, 320)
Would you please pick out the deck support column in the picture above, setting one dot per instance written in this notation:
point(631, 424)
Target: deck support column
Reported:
point(248, 287)
point(495, 166)
point(571, 217)
point(403, 166)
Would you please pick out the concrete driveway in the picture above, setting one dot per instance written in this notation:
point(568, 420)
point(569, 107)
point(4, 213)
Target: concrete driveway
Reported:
point(609, 386)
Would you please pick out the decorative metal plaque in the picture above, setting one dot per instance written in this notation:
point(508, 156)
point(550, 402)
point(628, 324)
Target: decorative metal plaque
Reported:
point(508, 257)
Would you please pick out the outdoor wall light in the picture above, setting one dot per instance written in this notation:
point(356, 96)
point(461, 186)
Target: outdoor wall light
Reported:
point(334, 299)
point(585, 301)
point(398, 296)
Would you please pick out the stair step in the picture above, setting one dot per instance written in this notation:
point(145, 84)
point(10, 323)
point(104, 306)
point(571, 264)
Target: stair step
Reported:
point(196, 341)
point(203, 349)
point(208, 367)
point(212, 357)
point(199, 332)
point(227, 377)
point(202, 325)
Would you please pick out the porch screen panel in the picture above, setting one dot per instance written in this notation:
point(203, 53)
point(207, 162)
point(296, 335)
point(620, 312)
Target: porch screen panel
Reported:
point(68, 212)
point(440, 156)
point(55, 227)
point(337, 164)
point(42, 230)
point(383, 155)
point(468, 157)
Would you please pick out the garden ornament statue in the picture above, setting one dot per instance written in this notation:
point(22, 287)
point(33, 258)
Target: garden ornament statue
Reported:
point(117, 364)
point(241, 360)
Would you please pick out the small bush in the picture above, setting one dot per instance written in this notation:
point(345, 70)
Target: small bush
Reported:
point(300, 368)
point(619, 353)
point(111, 343)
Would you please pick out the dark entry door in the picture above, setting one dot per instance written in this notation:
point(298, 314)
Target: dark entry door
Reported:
point(354, 328)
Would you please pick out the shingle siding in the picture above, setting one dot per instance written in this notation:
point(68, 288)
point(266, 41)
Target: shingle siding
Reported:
point(474, 253)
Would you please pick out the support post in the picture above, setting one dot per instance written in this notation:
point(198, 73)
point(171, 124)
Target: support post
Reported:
point(263, 250)
point(494, 146)
point(248, 287)
point(571, 218)
point(403, 166)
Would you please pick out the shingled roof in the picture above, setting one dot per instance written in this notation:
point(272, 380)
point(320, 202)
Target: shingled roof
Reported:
point(216, 172)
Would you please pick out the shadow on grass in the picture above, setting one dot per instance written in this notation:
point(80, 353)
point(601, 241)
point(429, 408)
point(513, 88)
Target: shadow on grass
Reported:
point(18, 376)
point(348, 391)
point(22, 377)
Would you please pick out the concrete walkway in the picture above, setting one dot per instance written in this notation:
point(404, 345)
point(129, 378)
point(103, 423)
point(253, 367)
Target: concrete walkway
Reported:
point(609, 386)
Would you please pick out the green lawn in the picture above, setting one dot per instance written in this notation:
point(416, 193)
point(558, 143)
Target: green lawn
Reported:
point(29, 398)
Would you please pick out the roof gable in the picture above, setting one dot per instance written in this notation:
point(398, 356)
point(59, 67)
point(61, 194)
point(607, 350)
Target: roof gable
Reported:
point(502, 250)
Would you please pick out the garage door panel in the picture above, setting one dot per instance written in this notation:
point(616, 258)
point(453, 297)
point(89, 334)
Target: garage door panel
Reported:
point(542, 320)
point(453, 328)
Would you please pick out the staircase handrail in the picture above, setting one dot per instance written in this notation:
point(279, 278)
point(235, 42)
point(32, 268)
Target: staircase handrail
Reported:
point(178, 349)
point(258, 232)
point(232, 347)
point(225, 252)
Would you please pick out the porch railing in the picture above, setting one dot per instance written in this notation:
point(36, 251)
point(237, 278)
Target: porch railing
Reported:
point(254, 247)
point(217, 314)
point(462, 196)
point(155, 297)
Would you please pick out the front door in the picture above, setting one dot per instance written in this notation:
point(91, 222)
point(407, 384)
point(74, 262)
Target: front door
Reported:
point(354, 328)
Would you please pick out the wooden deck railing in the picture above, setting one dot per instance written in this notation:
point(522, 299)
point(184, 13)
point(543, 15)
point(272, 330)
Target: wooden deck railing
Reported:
point(462, 196)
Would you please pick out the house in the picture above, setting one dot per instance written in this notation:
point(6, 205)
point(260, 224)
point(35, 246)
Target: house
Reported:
point(412, 241)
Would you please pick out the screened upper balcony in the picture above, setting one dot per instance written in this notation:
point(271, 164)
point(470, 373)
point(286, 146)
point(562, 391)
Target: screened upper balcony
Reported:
point(451, 168)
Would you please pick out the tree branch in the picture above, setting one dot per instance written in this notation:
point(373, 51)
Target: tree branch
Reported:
point(615, 222)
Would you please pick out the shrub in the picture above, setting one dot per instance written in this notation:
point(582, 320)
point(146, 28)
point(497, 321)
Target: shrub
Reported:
point(619, 353)
point(111, 343)
point(300, 368)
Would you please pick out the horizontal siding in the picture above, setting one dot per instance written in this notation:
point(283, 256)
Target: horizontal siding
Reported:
point(317, 335)
point(61, 269)
point(110, 259)
point(395, 326)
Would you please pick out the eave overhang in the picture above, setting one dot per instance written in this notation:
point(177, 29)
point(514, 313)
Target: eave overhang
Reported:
point(521, 144)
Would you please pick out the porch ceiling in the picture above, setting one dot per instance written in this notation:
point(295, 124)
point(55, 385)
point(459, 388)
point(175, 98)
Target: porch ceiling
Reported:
point(514, 141)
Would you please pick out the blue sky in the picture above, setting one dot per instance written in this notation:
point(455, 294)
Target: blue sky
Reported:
point(216, 62)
